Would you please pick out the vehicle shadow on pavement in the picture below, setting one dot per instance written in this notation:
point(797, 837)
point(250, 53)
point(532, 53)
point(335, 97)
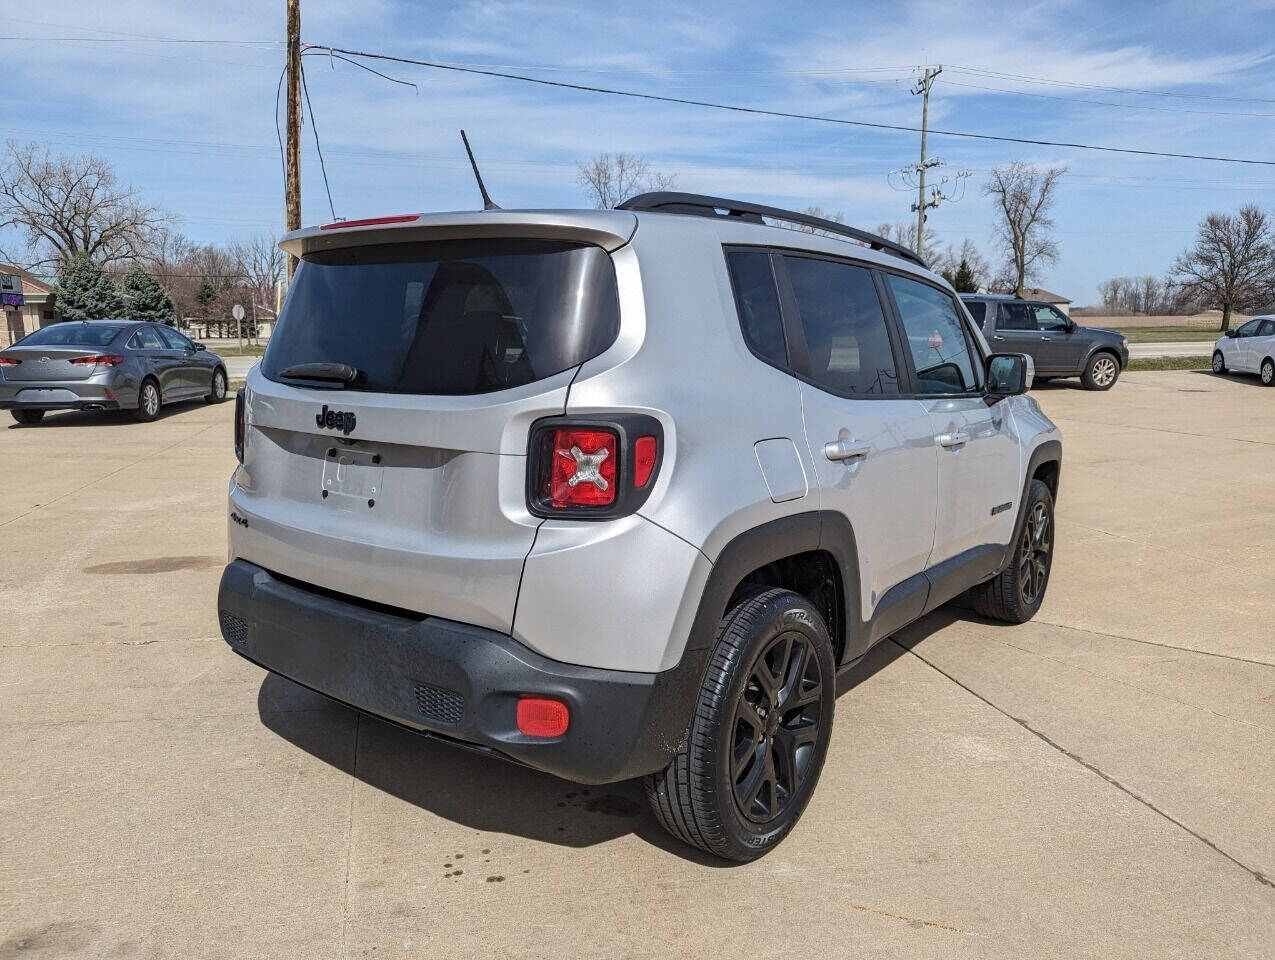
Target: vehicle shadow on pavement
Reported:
point(487, 793)
point(474, 790)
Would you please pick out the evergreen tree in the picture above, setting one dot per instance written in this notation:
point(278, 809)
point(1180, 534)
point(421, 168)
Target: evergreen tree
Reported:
point(144, 298)
point(964, 281)
point(206, 293)
point(85, 292)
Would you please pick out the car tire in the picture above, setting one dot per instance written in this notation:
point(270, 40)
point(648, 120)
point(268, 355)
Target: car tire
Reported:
point(27, 417)
point(148, 401)
point(217, 389)
point(1268, 372)
point(755, 746)
point(1101, 372)
point(1219, 362)
point(1009, 596)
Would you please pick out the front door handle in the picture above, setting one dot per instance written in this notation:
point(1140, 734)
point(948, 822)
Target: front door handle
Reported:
point(998, 337)
point(846, 450)
point(952, 439)
point(1046, 339)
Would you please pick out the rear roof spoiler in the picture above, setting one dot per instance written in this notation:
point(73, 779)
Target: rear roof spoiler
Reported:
point(609, 229)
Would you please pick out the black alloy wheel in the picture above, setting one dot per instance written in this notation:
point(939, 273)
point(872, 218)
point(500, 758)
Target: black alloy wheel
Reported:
point(1033, 568)
point(776, 727)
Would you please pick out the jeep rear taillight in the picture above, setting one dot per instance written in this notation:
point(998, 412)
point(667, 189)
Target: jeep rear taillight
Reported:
point(239, 425)
point(592, 469)
point(583, 467)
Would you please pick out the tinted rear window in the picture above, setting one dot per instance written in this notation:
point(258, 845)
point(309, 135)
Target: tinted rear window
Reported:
point(758, 303)
point(452, 317)
point(73, 335)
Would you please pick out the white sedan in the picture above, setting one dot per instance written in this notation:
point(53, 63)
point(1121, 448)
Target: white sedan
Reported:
point(1250, 348)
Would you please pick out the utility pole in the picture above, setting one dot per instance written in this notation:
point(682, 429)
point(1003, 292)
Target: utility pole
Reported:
point(292, 185)
point(923, 88)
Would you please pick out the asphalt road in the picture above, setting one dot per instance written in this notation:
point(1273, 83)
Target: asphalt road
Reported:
point(1183, 348)
point(1096, 783)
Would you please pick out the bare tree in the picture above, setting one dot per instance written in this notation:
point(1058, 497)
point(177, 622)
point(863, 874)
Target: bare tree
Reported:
point(1232, 265)
point(819, 212)
point(947, 261)
point(71, 205)
point(260, 261)
point(904, 232)
point(1145, 294)
point(611, 178)
point(1023, 195)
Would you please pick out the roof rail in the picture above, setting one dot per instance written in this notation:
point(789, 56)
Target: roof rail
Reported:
point(704, 206)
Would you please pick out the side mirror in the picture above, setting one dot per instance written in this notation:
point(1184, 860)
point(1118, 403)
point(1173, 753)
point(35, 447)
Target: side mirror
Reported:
point(1009, 374)
point(1230, 334)
point(199, 346)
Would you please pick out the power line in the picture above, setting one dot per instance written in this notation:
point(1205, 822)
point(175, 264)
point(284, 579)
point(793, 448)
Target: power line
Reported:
point(759, 111)
point(228, 43)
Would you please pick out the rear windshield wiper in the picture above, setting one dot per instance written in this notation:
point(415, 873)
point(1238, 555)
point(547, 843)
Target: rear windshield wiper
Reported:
point(338, 372)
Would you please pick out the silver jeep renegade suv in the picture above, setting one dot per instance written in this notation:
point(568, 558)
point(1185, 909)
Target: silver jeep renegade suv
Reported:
point(622, 493)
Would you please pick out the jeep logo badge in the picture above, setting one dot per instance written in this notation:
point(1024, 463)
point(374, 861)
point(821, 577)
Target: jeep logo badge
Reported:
point(342, 420)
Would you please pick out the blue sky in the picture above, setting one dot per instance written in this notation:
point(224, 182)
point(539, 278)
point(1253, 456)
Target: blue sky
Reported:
point(193, 125)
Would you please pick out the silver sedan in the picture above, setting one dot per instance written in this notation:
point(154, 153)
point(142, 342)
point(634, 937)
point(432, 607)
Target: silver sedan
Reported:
point(106, 365)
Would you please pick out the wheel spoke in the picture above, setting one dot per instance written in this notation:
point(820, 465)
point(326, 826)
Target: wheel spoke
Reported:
point(747, 790)
point(804, 697)
point(794, 674)
point(749, 715)
point(750, 751)
point(772, 785)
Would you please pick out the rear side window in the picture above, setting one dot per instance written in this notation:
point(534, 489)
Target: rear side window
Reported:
point(1015, 316)
point(72, 334)
point(757, 300)
point(1267, 329)
point(450, 317)
point(936, 338)
point(845, 327)
point(147, 339)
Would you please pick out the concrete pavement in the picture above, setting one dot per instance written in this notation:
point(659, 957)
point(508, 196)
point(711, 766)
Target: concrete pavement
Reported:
point(1093, 784)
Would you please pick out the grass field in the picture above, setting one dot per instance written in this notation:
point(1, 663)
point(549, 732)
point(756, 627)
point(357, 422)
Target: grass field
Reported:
point(1170, 363)
point(1168, 334)
point(247, 350)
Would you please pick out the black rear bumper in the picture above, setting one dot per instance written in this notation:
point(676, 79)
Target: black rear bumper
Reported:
point(457, 681)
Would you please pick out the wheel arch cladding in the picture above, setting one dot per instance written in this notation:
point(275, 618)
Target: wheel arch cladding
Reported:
point(1045, 465)
point(809, 552)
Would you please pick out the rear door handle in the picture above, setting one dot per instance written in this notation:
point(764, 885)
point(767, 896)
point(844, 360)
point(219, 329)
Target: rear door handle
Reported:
point(952, 439)
point(846, 449)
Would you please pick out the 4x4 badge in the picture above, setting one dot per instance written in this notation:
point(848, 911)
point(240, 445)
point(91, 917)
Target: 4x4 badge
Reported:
point(342, 420)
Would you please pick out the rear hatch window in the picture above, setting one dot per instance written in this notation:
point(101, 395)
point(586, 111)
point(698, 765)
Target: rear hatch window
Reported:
point(447, 317)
